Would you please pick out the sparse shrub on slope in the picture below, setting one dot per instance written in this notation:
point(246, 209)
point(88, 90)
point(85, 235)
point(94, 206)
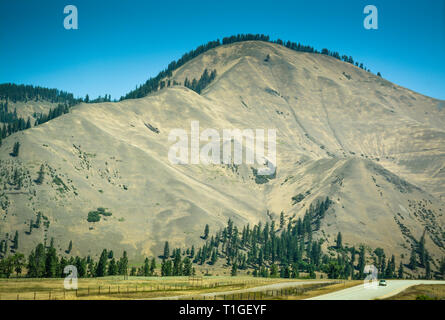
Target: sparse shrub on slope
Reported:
point(94, 216)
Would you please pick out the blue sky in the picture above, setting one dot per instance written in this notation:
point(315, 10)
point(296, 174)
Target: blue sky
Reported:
point(120, 44)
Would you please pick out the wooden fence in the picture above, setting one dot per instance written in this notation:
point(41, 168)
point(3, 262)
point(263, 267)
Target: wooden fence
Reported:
point(126, 289)
point(267, 294)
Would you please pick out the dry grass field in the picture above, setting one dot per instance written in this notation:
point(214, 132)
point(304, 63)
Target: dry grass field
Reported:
point(310, 291)
point(132, 288)
point(421, 292)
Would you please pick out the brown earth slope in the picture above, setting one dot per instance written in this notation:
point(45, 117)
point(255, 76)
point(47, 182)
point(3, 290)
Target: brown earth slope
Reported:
point(376, 149)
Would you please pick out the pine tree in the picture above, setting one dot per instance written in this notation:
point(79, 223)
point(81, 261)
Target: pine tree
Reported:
point(442, 268)
point(152, 266)
point(112, 267)
point(38, 220)
point(81, 265)
point(281, 220)
point(234, 270)
point(31, 224)
point(427, 266)
point(15, 149)
point(339, 241)
point(206, 232)
point(273, 271)
point(413, 260)
point(166, 251)
point(361, 261)
point(166, 268)
point(41, 175)
point(123, 264)
point(187, 267)
point(16, 241)
point(177, 263)
point(214, 257)
point(70, 247)
point(101, 269)
point(51, 262)
point(422, 251)
point(91, 269)
point(146, 267)
point(18, 262)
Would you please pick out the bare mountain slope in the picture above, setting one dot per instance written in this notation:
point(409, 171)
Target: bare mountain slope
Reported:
point(376, 149)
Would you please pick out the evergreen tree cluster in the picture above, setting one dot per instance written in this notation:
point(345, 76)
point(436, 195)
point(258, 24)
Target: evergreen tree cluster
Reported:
point(176, 265)
point(25, 93)
point(11, 122)
point(156, 83)
point(53, 113)
point(106, 98)
point(420, 257)
point(286, 250)
point(204, 81)
point(15, 126)
point(269, 251)
point(43, 262)
point(386, 267)
point(7, 116)
point(11, 264)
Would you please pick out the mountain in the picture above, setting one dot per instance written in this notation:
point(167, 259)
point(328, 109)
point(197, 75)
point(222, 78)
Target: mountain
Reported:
point(376, 149)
